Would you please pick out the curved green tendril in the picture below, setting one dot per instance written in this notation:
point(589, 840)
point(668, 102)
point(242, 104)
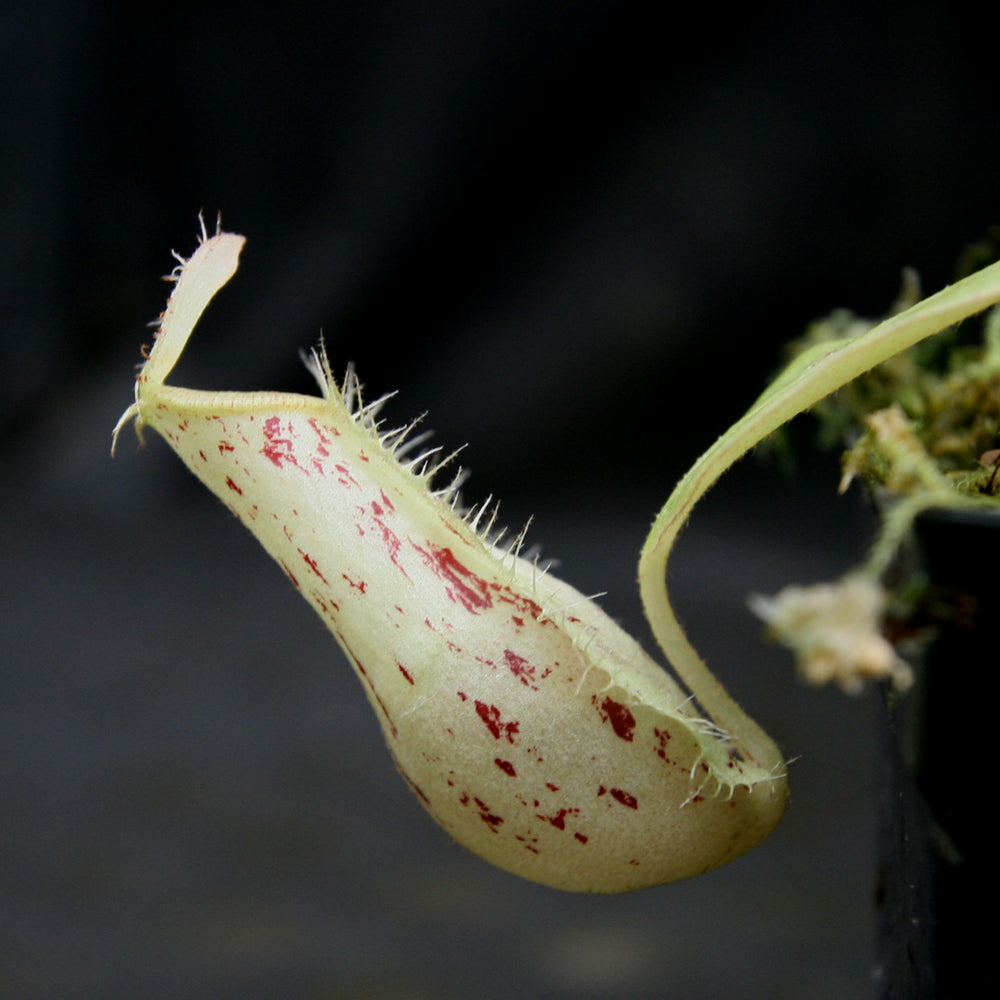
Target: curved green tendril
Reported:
point(813, 375)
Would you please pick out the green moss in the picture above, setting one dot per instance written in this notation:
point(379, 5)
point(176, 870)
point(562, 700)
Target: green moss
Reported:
point(944, 395)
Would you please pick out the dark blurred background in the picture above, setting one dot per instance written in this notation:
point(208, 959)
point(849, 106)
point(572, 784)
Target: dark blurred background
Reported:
point(577, 234)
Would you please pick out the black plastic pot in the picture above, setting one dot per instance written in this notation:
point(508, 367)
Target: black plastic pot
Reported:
point(935, 878)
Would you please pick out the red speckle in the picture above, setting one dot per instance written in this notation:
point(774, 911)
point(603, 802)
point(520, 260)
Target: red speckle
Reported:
point(331, 609)
point(389, 538)
point(506, 766)
point(312, 564)
point(624, 798)
point(581, 838)
point(278, 449)
point(559, 820)
point(490, 715)
point(233, 486)
point(345, 476)
point(521, 669)
point(225, 446)
point(662, 737)
point(461, 584)
point(361, 585)
point(291, 576)
point(551, 787)
point(321, 432)
point(404, 672)
point(524, 605)
point(491, 820)
point(621, 719)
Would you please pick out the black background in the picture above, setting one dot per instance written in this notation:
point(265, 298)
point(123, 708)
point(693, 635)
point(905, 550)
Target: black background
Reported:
point(577, 234)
